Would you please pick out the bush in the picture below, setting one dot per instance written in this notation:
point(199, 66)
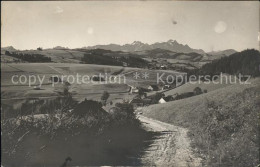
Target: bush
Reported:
point(227, 135)
point(84, 133)
point(105, 96)
point(197, 91)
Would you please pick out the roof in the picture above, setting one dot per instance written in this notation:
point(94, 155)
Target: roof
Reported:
point(154, 86)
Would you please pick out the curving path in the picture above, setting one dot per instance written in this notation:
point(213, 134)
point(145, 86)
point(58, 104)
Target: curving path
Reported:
point(172, 148)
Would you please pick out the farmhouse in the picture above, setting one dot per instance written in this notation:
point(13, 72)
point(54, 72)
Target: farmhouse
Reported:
point(166, 87)
point(153, 88)
point(165, 99)
point(124, 64)
point(134, 89)
point(163, 67)
point(38, 87)
point(161, 101)
point(55, 79)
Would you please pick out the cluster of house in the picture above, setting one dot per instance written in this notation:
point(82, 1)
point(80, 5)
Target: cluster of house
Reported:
point(160, 98)
point(143, 100)
point(150, 88)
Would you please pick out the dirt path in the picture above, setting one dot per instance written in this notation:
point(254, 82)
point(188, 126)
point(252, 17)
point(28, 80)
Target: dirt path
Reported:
point(172, 148)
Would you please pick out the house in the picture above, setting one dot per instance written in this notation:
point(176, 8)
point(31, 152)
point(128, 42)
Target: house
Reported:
point(162, 67)
point(113, 78)
point(153, 88)
point(124, 64)
point(55, 79)
point(143, 96)
point(165, 99)
point(161, 101)
point(38, 87)
point(134, 89)
point(166, 87)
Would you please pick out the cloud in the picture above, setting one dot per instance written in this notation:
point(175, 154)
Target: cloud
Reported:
point(58, 9)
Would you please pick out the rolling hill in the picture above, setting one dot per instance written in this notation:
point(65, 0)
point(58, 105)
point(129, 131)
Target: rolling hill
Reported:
point(174, 52)
point(218, 54)
point(223, 52)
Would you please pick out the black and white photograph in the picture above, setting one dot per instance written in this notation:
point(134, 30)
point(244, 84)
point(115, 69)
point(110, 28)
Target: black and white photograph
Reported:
point(130, 83)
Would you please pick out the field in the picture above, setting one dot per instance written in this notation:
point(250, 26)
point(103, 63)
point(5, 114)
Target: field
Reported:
point(11, 93)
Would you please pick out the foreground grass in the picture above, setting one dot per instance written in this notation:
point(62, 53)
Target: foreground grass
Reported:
point(88, 135)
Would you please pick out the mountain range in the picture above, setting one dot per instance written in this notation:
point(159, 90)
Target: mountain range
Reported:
point(171, 45)
point(170, 49)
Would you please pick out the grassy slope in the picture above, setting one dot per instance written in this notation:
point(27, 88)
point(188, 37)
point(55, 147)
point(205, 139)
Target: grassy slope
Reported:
point(188, 87)
point(222, 123)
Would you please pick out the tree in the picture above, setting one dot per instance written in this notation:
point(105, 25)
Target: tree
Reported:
point(197, 91)
point(126, 110)
point(157, 97)
point(39, 48)
point(66, 89)
point(105, 96)
point(7, 53)
point(141, 92)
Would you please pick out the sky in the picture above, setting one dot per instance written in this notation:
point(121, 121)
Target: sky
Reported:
point(210, 26)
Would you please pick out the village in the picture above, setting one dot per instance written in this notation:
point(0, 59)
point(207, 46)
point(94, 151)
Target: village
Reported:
point(154, 94)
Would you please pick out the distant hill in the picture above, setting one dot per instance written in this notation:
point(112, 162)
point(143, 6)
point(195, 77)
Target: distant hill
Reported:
point(171, 45)
point(60, 47)
point(8, 48)
point(218, 54)
point(171, 50)
point(223, 52)
point(245, 62)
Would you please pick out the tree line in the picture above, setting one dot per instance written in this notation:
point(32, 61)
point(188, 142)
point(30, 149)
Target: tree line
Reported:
point(32, 58)
point(101, 57)
point(246, 63)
